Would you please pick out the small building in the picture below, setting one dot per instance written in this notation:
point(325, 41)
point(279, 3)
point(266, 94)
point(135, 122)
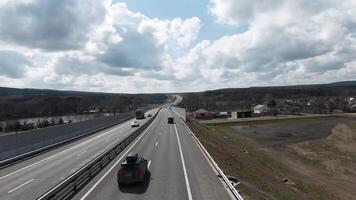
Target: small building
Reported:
point(202, 114)
point(224, 114)
point(215, 114)
point(259, 109)
point(353, 108)
point(244, 113)
point(241, 114)
point(233, 115)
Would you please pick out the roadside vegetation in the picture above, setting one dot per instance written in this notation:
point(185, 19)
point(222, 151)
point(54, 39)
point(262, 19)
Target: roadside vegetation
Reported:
point(286, 159)
point(28, 103)
point(290, 100)
point(17, 105)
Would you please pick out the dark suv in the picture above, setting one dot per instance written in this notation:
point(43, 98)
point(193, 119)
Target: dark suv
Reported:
point(170, 120)
point(132, 170)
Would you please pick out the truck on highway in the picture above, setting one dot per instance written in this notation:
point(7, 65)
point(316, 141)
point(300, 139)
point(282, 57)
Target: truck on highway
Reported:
point(139, 114)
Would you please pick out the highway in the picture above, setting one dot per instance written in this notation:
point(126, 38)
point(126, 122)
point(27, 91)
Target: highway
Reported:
point(178, 170)
point(33, 177)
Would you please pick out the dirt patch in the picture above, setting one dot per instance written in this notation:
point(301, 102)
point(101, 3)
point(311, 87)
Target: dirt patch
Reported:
point(334, 156)
point(315, 155)
point(289, 132)
point(344, 137)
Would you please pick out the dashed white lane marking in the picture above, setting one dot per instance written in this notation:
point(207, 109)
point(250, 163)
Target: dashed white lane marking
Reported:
point(27, 182)
point(149, 164)
point(160, 133)
point(76, 146)
point(183, 163)
point(117, 162)
point(81, 153)
point(156, 144)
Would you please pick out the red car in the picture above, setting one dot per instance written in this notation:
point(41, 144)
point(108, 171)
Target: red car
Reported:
point(132, 170)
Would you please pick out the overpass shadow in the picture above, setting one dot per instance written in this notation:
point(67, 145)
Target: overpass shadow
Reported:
point(136, 188)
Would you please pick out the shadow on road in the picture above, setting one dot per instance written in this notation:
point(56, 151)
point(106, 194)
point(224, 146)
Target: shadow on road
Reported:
point(137, 188)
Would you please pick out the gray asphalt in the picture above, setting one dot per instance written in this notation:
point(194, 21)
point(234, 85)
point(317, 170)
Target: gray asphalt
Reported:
point(165, 179)
point(31, 178)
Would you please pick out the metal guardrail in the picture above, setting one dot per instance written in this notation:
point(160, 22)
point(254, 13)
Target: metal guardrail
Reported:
point(212, 161)
point(13, 160)
point(67, 188)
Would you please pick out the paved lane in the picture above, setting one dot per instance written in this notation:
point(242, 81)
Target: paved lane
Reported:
point(178, 169)
point(31, 178)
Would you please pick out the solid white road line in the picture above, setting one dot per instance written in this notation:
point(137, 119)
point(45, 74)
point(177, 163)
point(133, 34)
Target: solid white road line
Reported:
point(76, 146)
point(149, 163)
point(183, 163)
point(27, 182)
point(189, 132)
point(117, 162)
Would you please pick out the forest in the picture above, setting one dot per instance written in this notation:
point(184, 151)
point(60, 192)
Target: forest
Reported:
point(322, 98)
point(26, 103)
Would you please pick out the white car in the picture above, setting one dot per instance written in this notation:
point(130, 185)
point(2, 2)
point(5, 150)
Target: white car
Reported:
point(135, 124)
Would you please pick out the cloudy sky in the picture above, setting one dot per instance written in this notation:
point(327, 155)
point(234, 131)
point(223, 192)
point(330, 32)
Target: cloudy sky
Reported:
point(140, 46)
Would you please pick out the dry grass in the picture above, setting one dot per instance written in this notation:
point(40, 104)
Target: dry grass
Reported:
point(309, 164)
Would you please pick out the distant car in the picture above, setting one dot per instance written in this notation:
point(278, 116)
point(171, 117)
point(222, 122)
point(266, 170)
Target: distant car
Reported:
point(132, 170)
point(170, 120)
point(135, 124)
point(149, 115)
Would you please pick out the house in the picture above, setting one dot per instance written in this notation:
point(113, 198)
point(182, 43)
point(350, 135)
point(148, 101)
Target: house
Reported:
point(202, 114)
point(351, 104)
point(259, 109)
point(241, 114)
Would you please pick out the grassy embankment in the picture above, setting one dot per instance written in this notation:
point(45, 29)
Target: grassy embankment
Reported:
point(260, 173)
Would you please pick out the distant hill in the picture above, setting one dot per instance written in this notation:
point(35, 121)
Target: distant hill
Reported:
point(30, 91)
point(22, 103)
point(323, 95)
point(343, 83)
point(311, 86)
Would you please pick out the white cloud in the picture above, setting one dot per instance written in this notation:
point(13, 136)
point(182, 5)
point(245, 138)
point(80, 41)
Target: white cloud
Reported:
point(104, 46)
point(299, 41)
point(181, 32)
point(144, 42)
point(89, 45)
point(50, 25)
point(240, 12)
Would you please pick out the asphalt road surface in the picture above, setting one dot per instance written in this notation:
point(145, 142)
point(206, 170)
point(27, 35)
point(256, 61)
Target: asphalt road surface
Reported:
point(177, 168)
point(31, 178)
